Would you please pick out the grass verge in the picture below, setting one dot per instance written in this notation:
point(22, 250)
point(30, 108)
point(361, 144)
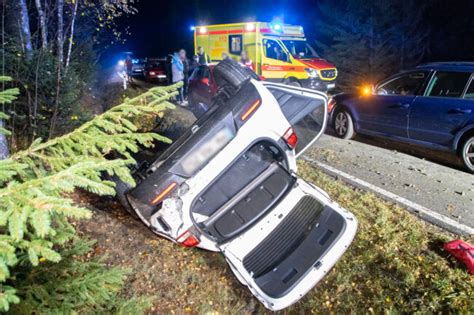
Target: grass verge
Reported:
point(396, 263)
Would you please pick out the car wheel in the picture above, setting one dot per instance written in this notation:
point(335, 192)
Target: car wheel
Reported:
point(230, 72)
point(467, 154)
point(121, 189)
point(292, 82)
point(343, 125)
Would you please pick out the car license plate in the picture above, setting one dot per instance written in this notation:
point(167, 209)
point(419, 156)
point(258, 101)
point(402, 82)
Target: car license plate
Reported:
point(331, 86)
point(206, 151)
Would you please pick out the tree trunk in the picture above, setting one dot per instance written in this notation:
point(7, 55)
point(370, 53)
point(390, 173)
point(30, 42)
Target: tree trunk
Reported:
point(25, 29)
point(60, 48)
point(60, 36)
point(4, 152)
point(71, 36)
point(43, 26)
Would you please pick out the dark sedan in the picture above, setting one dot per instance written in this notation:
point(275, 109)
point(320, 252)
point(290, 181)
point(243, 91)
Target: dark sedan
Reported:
point(155, 70)
point(430, 106)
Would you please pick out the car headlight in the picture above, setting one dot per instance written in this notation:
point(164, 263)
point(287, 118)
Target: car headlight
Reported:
point(121, 63)
point(312, 72)
point(152, 73)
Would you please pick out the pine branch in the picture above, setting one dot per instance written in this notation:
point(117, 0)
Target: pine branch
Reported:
point(34, 207)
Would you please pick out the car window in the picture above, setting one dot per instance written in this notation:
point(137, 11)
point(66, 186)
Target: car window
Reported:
point(447, 84)
point(235, 44)
point(274, 50)
point(407, 84)
point(201, 73)
point(470, 91)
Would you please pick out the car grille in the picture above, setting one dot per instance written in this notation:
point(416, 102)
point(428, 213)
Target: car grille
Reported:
point(328, 74)
point(285, 238)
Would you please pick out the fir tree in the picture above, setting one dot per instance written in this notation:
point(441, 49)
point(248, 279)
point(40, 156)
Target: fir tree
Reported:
point(368, 40)
point(34, 188)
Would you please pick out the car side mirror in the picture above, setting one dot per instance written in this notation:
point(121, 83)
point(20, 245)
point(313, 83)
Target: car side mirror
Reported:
point(205, 81)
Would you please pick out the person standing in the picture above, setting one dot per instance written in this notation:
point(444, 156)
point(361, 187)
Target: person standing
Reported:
point(245, 61)
point(203, 58)
point(186, 69)
point(129, 67)
point(177, 73)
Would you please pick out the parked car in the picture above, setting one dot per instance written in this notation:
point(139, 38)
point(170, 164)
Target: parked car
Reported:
point(155, 70)
point(430, 106)
point(138, 66)
point(229, 185)
point(201, 89)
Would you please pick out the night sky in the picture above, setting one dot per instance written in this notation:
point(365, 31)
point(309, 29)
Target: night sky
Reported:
point(161, 27)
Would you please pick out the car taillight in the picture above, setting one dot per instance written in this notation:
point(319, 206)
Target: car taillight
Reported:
point(331, 104)
point(250, 110)
point(164, 193)
point(188, 239)
point(290, 138)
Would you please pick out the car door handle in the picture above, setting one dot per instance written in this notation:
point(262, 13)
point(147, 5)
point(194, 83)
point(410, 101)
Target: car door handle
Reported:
point(459, 111)
point(399, 106)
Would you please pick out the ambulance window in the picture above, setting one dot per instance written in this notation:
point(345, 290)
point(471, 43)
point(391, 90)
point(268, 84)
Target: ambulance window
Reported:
point(273, 50)
point(235, 44)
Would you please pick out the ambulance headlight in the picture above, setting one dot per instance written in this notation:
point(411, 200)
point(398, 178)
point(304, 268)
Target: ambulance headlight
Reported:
point(312, 72)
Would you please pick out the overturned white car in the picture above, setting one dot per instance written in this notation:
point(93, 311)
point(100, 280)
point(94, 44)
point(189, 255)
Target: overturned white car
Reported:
point(230, 184)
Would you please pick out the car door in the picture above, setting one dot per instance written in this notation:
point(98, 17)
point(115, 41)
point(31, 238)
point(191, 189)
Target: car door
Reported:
point(200, 90)
point(386, 111)
point(437, 115)
point(306, 110)
point(275, 60)
point(291, 249)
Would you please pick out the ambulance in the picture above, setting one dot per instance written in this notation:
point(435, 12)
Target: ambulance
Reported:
point(279, 52)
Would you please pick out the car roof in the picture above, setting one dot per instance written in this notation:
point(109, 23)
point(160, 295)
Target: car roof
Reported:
point(449, 66)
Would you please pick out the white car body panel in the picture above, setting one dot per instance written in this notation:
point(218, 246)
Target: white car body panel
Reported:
point(239, 247)
point(267, 122)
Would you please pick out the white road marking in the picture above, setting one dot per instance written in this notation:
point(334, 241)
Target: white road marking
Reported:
point(423, 212)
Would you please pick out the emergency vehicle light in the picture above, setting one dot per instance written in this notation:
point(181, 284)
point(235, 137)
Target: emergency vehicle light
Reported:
point(277, 27)
point(249, 27)
point(192, 28)
point(202, 30)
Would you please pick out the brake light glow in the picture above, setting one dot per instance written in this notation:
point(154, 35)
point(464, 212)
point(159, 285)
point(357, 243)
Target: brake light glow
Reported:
point(290, 138)
point(188, 239)
point(164, 193)
point(250, 110)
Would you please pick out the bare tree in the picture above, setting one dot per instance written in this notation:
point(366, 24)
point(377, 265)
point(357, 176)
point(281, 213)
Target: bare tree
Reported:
point(60, 32)
point(71, 36)
point(60, 48)
point(4, 151)
point(25, 29)
point(43, 24)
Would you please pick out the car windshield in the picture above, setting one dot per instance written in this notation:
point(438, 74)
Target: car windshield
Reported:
point(300, 49)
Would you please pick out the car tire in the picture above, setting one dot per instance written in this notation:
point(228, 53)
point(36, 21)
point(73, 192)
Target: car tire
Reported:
point(121, 189)
point(292, 82)
point(467, 153)
point(229, 72)
point(344, 125)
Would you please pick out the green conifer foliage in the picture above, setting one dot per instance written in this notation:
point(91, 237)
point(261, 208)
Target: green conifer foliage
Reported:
point(35, 207)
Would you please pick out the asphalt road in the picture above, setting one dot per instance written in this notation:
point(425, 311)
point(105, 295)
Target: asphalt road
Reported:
point(444, 189)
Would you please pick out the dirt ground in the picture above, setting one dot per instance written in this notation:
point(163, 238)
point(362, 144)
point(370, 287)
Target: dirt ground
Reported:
point(158, 264)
